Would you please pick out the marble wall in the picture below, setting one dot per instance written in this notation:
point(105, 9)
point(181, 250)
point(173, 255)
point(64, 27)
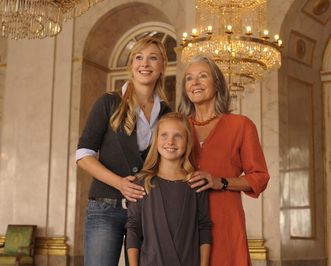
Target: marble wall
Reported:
point(47, 87)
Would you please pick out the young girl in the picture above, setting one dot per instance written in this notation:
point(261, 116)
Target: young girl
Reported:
point(170, 225)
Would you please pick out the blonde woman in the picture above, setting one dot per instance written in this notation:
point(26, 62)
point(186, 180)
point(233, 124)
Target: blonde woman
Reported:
point(170, 226)
point(119, 129)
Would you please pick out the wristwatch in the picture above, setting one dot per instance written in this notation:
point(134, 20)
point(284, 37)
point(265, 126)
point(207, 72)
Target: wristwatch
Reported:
point(224, 184)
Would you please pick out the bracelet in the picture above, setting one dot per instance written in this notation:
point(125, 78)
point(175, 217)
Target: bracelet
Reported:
point(224, 184)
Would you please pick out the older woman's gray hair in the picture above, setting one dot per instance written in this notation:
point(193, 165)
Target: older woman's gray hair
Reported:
point(222, 103)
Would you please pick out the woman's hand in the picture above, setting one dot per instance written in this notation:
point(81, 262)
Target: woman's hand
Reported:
point(131, 191)
point(204, 181)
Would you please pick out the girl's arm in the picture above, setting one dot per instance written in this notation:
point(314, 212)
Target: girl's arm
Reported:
point(205, 226)
point(133, 254)
point(134, 232)
point(204, 254)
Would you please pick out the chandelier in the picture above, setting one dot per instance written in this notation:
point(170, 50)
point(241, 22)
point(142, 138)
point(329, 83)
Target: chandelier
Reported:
point(234, 34)
point(38, 18)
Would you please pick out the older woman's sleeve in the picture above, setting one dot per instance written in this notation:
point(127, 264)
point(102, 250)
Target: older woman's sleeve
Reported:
point(253, 161)
point(133, 226)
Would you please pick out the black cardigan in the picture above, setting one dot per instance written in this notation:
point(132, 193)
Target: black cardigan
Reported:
point(117, 151)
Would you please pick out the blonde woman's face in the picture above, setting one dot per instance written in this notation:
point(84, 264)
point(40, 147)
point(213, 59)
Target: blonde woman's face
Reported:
point(147, 65)
point(171, 140)
point(199, 83)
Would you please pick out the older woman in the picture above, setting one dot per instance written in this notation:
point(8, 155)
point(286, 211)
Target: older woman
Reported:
point(228, 157)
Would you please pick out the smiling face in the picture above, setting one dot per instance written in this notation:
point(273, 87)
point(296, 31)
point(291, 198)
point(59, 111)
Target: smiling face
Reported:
point(171, 140)
point(147, 65)
point(199, 84)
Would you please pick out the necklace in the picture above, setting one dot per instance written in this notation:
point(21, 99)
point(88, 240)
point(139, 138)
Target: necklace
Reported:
point(203, 123)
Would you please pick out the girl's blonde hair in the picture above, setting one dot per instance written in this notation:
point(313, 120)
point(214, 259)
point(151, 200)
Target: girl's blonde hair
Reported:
point(152, 162)
point(126, 111)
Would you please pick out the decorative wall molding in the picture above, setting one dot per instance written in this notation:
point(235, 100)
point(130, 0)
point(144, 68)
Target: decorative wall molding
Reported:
point(257, 249)
point(57, 246)
point(319, 10)
point(54, 246)
point(325, 76)
point(301, 48)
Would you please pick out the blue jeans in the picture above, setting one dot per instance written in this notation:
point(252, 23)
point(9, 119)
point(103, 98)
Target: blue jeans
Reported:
point(104, 234)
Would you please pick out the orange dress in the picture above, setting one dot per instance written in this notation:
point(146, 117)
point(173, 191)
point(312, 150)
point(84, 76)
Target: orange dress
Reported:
point(232, 148)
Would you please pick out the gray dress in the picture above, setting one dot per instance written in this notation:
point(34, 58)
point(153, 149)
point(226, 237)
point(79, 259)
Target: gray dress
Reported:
point(169, 224)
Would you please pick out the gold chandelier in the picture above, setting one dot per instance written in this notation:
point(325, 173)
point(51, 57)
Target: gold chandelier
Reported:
point(38, 18)
point(234, 34)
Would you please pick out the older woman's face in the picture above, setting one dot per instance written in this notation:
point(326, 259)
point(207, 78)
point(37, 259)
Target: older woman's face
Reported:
point(199, 84)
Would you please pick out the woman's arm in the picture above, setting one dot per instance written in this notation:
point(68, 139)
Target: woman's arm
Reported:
point(255, 178)
point(204, 254)
point(205, 180)
point(133, 255)
point(130, 191)
point(92, 139)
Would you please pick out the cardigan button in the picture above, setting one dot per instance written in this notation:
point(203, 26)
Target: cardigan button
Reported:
point(135, 169)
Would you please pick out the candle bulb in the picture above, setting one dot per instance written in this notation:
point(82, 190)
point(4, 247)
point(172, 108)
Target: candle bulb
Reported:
point(209, 29)
point(194, 32)
point(276, 37)
point(228, 29)
point(248, 30)
point(265, 33)
point(280, 42)
point(184, 35)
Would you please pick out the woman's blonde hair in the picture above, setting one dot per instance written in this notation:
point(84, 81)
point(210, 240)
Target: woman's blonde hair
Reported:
point(222, 103)
point(152, 162)
point(126, 111)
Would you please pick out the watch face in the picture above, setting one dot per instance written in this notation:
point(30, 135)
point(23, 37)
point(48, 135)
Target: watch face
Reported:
point(225, 183)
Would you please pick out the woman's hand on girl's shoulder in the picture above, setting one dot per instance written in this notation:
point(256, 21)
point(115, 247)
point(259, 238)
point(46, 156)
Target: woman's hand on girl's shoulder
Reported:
point(203, 181)
point(130, 190)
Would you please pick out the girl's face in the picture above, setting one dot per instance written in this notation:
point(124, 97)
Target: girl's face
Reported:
point(199, 83)
point(171, 140)
point(147, 65)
